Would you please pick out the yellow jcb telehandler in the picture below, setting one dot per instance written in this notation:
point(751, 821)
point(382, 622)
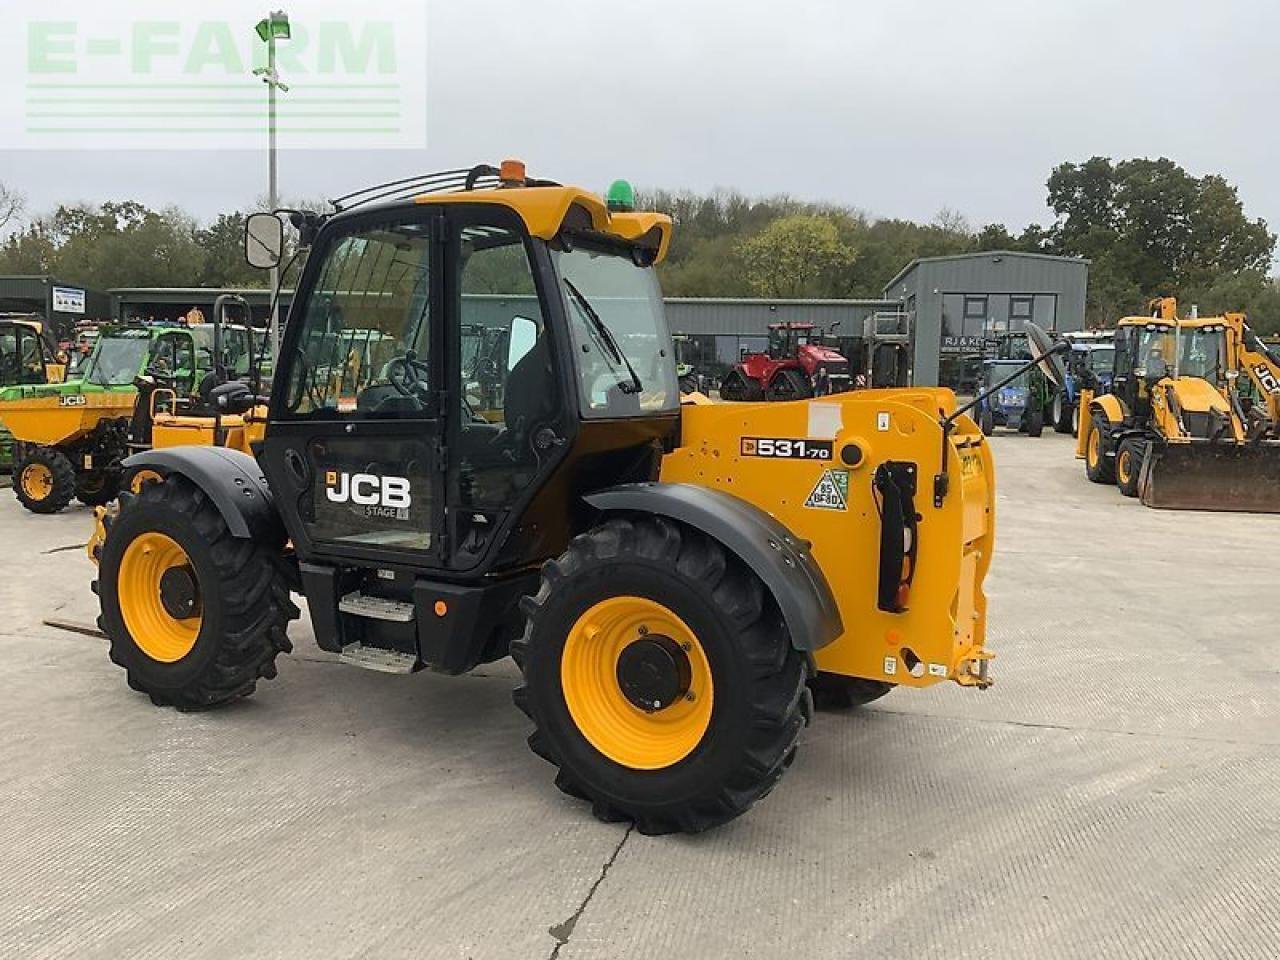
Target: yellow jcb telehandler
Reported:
point(1178, 429)
point(668, 578)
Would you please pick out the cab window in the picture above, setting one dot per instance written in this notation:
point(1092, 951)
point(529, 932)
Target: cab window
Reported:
point(364, 343)
point(504, 361)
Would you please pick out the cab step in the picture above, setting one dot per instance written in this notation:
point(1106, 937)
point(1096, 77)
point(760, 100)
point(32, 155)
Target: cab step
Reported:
point(378, 658)
point(376, 608)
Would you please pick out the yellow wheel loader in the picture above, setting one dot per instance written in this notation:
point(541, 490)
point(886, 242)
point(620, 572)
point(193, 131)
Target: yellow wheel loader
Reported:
point(1178, 429)
point(668, 578)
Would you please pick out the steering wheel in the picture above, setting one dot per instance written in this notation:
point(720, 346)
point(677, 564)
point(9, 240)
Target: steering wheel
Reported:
point(408, 375)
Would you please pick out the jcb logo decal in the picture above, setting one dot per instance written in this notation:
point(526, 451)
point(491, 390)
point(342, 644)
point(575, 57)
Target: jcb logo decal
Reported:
point(1267, 379)
point(366, 490)
point(74, 400)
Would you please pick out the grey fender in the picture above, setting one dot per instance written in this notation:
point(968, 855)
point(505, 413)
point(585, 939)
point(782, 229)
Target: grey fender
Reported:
point(231, 479)
point(777, 556)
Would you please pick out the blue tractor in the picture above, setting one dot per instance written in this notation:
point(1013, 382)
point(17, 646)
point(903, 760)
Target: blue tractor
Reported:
point(1089, 365)
point(1018, 405)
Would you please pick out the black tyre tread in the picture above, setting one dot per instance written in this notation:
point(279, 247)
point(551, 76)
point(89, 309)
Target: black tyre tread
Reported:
point(1105, 472)
point(782, 704)
point(257, 604)
point(101, 496)
point(64, 480)
point(1135, 448)
point(987, 422)
point(831, 691)
point(737, 387)
point(798, 387)
point(1063, 423)
point(1035, 422)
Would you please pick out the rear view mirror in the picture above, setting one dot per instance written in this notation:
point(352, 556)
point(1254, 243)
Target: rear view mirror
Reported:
point(263, 240)
point(524, 334)
point(1047, 354)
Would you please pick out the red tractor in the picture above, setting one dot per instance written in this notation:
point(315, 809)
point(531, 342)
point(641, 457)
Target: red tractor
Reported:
point(796, 366)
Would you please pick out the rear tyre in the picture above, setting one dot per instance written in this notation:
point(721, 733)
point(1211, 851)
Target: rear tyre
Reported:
point(660, 677)
point(736, 387)
point(194, 615)
point(1034, 420)
point(987, 421)
point(788, 385)
point(97, 489)
point(1098, 467)
point(832, 691)
point(1063, 413)
point(1128, 465)
point(44, 481)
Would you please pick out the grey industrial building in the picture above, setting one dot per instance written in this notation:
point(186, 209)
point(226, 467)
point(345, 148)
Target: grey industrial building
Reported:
point(958, 303)
point(933, 323)
point(60, 302)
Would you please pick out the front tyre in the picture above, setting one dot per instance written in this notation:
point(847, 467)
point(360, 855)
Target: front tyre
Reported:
point(193, 614)
point(833, 691)
point(1098, 467)
point(45, 480)
point(1129, 465)
point(660, 677)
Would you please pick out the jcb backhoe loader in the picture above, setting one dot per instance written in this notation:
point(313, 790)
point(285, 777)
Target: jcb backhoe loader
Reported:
point(1177, 430)
point(667, 578)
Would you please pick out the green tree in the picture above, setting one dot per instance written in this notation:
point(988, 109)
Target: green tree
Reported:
point(1151, 228)
point(794, 255)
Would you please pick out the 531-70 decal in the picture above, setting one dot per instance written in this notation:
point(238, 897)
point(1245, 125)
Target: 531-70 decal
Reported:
point(786, 448)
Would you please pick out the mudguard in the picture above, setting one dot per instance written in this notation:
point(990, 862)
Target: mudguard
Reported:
point(1109, 405)
point(231, 479)
point(779, 558)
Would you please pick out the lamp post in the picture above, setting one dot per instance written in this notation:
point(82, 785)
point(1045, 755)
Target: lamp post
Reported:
point(273, 27)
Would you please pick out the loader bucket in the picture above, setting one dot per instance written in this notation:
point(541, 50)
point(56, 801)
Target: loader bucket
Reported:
point(1241, 478)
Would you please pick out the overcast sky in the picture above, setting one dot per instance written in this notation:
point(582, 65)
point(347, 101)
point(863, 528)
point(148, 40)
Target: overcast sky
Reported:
point(900, 108)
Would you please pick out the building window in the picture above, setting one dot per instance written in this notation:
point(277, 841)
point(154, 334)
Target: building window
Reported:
point(1021, 309)
point(975, 308)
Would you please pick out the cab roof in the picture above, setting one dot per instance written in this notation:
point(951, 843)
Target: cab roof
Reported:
point(546, 210)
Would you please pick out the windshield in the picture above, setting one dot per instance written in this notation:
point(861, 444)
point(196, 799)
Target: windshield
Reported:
point(1102, 360)
point(626, 363)
point(117, 360)
point(237, 348)
point(1202, 353)
point(1155, 352)
point(998, 371)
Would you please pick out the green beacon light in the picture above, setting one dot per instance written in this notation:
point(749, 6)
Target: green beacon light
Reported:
point(621, 197)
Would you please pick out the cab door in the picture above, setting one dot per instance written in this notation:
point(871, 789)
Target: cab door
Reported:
point(353, 451)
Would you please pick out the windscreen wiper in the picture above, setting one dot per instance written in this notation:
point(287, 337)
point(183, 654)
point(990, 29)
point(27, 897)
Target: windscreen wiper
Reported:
point(606, 335)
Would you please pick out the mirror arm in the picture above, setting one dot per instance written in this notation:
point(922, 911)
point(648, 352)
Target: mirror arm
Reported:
point(942, 480)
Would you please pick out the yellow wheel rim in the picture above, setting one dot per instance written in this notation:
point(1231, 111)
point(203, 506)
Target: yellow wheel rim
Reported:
point(1124, 467)
point(1093, 448)
point(157, 632)
point(142, 478)
point(37, 481)
point(605, 713)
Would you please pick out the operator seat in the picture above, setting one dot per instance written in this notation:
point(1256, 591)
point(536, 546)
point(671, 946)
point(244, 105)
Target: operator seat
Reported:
point(530, 396)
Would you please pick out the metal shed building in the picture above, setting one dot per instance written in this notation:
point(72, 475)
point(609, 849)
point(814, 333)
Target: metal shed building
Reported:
point(61, 303)
point(962, 301)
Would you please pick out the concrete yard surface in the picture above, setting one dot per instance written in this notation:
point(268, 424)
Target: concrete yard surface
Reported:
point(1115, 795)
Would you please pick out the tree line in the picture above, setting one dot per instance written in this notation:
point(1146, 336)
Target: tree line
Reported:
point(1148, 227)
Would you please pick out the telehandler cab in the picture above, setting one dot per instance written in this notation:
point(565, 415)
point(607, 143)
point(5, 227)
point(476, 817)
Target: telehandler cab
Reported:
point(667, 579)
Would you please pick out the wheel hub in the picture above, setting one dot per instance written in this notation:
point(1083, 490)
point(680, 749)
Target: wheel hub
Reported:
point(179, 593)
point(654, 672)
